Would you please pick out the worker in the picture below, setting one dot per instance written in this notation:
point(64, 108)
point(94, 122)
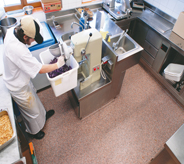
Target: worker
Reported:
point(19, 67)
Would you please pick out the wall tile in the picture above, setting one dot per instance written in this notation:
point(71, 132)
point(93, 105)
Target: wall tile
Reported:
point(174, 15)
point(179, 7)
point(171, 4)
point(171, 7)
point(162, 7)
point(164, 2)
point(168, 11)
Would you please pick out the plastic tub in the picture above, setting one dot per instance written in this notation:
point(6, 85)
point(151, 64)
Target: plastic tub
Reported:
point(174, 72)
point(66, 81)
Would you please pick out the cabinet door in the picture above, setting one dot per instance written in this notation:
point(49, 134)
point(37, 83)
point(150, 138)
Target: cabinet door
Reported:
point(140, 32)
point(147, 57)
point(161, 55)
point(151, 49)
point(154, 38)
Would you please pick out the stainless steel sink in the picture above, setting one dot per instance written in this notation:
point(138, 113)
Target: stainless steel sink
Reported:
point(126, 47)
point(66, 37)
point(64, 24)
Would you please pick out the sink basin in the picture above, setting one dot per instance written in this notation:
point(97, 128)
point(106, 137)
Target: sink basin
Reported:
point(127, 46)
point(64, 24)
point(66, 37)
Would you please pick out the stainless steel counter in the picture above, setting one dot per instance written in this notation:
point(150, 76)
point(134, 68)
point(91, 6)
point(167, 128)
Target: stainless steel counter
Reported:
point(175, 145)
point(65, 19)
point(164, 27)
point(11, 152)
point(155, 21)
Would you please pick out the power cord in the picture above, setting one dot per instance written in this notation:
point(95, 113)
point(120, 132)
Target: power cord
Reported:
point(102, 72)
point(105, 59)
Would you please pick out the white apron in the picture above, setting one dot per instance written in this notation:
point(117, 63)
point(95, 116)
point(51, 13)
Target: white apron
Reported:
point(31, 108)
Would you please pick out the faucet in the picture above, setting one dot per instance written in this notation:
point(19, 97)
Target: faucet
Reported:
point(116, 44)
point(55, 23)
point(76, 24)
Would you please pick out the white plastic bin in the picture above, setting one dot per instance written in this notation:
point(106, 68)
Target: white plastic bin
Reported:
point(64, 82)
point(174, 72)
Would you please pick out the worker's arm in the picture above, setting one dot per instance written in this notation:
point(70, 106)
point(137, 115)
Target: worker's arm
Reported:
point(51, 67)
point(48, 68)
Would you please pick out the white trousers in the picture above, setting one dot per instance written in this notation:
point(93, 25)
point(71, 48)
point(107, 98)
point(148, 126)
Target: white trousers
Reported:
point(31, 108)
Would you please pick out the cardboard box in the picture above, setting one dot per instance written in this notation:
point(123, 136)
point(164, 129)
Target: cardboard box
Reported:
point(49, 1)
point(50, 7)
point(179, 25)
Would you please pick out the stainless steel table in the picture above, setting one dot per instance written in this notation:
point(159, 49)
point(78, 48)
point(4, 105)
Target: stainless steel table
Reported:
point(10, 153)
point(175, 145)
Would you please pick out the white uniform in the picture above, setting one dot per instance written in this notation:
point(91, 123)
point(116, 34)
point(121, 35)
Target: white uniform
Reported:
point(19, 67)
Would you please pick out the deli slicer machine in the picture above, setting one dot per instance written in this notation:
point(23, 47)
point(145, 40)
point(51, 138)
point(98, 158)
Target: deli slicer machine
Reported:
point(119, 9)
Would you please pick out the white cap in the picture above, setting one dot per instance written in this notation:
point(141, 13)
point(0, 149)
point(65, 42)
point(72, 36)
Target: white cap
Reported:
point(31, 28)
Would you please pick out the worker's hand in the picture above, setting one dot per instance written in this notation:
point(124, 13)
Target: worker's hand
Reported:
point(70, 50)
point(67, 50)
point(60, 61)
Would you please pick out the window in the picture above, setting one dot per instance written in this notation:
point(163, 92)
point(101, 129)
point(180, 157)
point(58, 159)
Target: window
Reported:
point(10, 5)
point(10, 2)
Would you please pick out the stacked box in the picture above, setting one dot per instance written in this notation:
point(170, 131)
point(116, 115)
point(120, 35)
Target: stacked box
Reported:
point(179, 25)
point(51, 5)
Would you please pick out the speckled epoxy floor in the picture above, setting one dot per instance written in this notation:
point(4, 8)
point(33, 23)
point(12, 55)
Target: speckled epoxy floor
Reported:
point(131, 129)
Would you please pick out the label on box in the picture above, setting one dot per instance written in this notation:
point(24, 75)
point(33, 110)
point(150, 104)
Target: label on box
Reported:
point(57, 82)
